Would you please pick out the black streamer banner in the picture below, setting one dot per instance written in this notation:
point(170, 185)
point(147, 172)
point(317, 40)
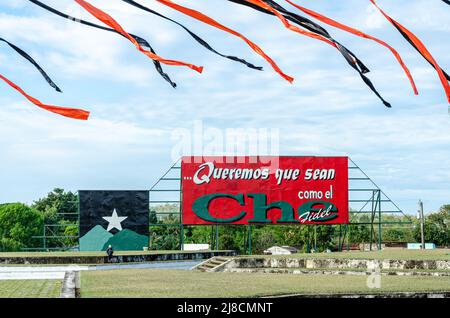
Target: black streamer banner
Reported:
point(140, 40)
point(309, 25)
point(193, 35)
point(415, 42)
point(35, 64)
point(447, 1)
point(408, 39)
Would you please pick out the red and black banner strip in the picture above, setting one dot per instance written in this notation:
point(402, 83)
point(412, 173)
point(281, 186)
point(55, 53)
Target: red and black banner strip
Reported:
point(359, 33)
point(140, 40)
point(193, 35)
point(420, 47)
point(108, 20)
point(308, 25)
point(205, 19)
point(35, 64)
point(289, 26)
point(63, 111)
point(273, 8)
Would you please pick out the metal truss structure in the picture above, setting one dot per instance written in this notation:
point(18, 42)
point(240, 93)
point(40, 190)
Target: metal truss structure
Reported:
point(365, 198)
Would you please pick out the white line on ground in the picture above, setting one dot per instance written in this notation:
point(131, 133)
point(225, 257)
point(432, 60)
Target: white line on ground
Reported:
point(57, 272)
point(31, 276)
point(37, 272)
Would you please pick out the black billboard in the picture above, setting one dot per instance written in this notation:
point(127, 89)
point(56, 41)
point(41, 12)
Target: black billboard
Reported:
point(116, 218)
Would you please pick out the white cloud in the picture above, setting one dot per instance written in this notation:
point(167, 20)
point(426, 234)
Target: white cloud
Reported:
point(374, 19)
point(328, 110)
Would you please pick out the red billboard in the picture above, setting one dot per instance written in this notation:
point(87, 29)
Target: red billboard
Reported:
point(264, 190)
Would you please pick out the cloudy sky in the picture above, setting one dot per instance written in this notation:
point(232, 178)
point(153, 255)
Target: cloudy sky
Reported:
point(129, 141)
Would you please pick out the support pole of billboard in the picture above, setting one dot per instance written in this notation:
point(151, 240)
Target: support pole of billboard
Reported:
point(182, 237)
point(372, 218)
point(45, 239)
point(217, 237)
point(379, 221)
point(212, 237)
point(79, 219)
point(315, 238)
point(181, 216)
point(250, 240)
point(348, 237)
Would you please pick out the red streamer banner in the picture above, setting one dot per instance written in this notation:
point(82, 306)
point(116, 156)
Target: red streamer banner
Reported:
point(205, 19)
point(289, 26)
point(419, 46)
point(359, 33)
point(63, 111)
point(108, 20)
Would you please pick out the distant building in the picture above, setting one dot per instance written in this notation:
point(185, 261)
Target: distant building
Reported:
point(281, 250)
point(196, 247)
point(416, 246)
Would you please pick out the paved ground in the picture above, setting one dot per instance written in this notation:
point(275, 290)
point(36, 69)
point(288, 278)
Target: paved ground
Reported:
point(185, 265)
point(57, 272)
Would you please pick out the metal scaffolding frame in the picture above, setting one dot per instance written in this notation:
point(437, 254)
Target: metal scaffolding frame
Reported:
point(49, 233)
point(365, 197)
point(167, 191)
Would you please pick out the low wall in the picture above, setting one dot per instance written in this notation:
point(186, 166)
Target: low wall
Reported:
point(334, 263)
point(183, 256)
point(333, 272)
point(374, 295)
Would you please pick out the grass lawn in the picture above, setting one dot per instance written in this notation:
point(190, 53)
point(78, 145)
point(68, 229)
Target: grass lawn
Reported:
point(30, 288)
point(438, 254)
point(192, 284)
point(395, 254)
point(81, 254)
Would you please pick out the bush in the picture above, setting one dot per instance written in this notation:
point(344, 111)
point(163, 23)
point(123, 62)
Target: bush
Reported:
point(436, 228)
point(9, 245)
point(71, 231)
point(18, 224)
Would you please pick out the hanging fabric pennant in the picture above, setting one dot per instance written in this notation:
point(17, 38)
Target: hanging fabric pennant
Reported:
point(308, 25)
point(108, 20)
point(140, 40)
point(351, 30)
point(420, 47)
point(35, 64)
point(193, 35)
point(447, 1)
point(289, 26)
point(205, 19)
point(273, 8)
point(63, 111)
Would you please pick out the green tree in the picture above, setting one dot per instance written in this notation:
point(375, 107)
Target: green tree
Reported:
point(324, 237)
point(56, 205)
point(58, 209)
point(232, 237)
point(167, 235)
point(199, 235)
point(153, 219)
point(445, 209)
point(436, 227)
point(18, 224)
point(394, 234)
point(71, 235)
point(263, 240)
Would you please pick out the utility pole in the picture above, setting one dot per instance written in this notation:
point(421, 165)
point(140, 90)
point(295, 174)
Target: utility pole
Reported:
point(422, 221)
